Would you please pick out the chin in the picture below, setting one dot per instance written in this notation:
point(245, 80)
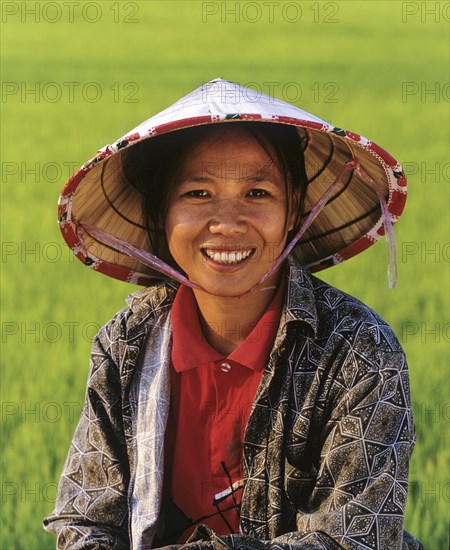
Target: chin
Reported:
point(230, 290)
point(226, 292)
point(235, 290)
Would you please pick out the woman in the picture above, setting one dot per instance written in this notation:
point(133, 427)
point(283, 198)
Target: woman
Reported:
point(239, 401)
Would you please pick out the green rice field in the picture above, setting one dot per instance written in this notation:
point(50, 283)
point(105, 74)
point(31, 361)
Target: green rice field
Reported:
point(78, 75)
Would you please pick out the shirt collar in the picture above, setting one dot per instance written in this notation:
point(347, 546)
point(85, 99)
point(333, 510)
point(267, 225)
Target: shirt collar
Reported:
point(190, 348)
point(255, 349)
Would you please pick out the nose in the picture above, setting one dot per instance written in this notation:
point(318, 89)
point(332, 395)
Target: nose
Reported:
point(228, 218)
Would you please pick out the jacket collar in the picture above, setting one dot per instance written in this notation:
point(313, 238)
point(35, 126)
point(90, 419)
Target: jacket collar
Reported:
point(300, 297)
point(300, 303)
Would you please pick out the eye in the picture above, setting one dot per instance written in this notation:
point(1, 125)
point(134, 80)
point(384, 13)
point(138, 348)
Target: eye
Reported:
point(258, 193)
point(197, 194)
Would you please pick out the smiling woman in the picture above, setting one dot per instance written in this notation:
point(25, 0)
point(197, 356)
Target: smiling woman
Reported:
point(227, 222)
point(252, 405)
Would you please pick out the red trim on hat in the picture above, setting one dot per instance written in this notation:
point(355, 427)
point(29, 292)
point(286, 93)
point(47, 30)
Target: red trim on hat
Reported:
point(397, 203)
point(314, 125)
point(401, 182)
point(388, 159)
point(62, 211)
point(122, 273)
point(253, 116)
point(81, 255)
point(355, 248)
point(132, 137)
point(115, 271)
point(70, 235)
point(74, 181)
point(301, 122)
point(352, 136)
point(180, 124)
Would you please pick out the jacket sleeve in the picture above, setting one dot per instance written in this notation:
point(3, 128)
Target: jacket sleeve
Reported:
point(358, 495)
point(91, 505)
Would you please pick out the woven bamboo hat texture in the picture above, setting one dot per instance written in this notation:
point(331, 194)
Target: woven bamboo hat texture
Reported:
point(350, 221)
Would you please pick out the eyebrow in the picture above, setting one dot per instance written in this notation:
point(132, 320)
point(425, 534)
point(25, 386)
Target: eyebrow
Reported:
point(259, 175)
point(195, 179)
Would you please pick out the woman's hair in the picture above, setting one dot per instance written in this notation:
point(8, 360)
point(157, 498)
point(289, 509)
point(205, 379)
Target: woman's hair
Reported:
point(152, 167)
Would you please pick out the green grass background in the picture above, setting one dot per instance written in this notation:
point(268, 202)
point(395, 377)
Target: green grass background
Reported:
point(172, 48)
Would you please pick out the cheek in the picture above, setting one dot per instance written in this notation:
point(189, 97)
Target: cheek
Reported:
point(279, 223)
point(174, 236)
point(172, 229)
point(181, 227)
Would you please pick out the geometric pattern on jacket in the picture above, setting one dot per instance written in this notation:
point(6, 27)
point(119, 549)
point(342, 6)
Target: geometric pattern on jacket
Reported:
point(326, 449)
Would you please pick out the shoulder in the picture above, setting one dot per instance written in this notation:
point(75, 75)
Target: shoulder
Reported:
point(344, 333)
point(352, 351)
point(351, 319)
point(129, 326)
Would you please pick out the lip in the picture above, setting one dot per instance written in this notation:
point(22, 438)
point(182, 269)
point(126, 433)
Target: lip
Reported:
point(233, 247)
point(227, 268)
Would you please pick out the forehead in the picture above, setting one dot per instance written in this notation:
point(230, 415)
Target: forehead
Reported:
point(228, 145)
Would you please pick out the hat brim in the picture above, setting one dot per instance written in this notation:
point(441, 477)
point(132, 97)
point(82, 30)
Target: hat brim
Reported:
point(349, 223)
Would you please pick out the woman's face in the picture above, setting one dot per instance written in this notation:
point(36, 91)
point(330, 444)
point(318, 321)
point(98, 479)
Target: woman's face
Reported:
point(226, 219)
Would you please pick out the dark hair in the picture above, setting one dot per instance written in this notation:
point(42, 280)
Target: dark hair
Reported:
point(153, 165)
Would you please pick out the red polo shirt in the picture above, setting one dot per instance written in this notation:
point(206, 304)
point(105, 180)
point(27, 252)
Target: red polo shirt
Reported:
point(212, 396)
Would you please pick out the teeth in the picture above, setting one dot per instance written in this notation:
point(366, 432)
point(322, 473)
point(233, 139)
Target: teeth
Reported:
point(228, 257)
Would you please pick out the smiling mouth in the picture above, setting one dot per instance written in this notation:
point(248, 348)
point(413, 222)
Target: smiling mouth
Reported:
point(228, 257)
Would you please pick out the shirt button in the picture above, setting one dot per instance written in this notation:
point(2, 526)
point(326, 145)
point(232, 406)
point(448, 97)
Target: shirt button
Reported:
point(225, 367)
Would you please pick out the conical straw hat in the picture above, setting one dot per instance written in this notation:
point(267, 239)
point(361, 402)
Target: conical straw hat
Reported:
point(351, 220)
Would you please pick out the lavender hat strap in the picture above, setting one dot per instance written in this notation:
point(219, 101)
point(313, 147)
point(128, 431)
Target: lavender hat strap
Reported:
point(349, 165)
point(133, 251)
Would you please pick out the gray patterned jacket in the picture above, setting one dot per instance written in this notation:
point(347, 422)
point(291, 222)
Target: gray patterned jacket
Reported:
point(326, 448)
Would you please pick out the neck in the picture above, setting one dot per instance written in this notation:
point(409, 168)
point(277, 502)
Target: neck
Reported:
point(227, 321)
